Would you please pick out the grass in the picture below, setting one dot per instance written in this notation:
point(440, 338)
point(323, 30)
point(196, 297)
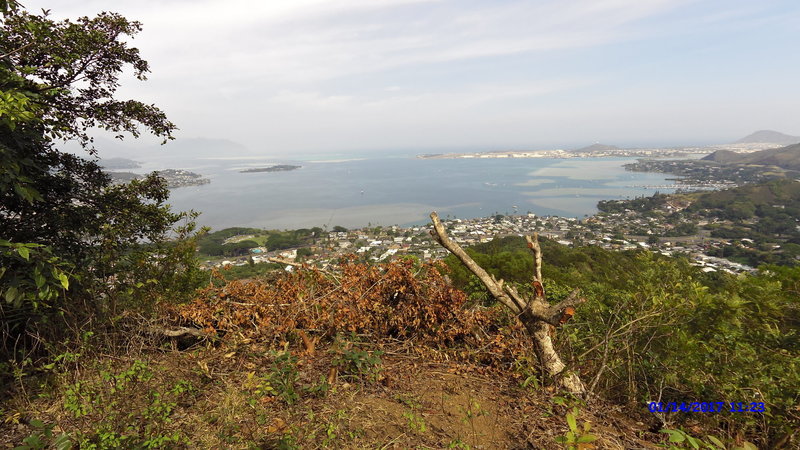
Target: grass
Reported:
point(229, 397)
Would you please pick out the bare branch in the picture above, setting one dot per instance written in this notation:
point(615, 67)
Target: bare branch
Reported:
point(555, 313)
point(180, 332)
point(283, 261)
point(533, 244)
point(495, 288)
point(536, 314)
point(518, 300)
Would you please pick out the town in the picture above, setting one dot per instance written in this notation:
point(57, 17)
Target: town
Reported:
point(613, 231)
point(594, 151)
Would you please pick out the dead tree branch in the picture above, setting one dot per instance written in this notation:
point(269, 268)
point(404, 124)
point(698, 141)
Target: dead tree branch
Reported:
point(536, 314)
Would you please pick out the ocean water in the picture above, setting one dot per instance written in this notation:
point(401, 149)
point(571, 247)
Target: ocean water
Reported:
point(400, 190)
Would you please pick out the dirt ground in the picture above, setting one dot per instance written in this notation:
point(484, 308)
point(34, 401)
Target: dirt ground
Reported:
point(405, 401)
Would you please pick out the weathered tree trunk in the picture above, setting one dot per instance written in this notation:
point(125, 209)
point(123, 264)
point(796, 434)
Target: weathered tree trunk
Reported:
point(536, 314)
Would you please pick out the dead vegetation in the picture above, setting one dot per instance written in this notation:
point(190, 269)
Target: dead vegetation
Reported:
point(402, 301)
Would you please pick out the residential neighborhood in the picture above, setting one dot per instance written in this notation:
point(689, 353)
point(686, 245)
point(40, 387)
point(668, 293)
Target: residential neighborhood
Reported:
point(613, 231)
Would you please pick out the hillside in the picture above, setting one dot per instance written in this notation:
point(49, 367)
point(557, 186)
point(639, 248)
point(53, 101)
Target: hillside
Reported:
point(785, 157)
point(782, 194)
point(753, 224)
point(723, 157)
point(769, 137)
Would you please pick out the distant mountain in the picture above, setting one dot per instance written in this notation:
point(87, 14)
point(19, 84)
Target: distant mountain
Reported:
point(784, 157)
point(118, 163)
point(597, 148)
point(769, 137)
point(146, 150)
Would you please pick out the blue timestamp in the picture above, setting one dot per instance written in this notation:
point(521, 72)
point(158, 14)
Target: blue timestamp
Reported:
point(711, 407)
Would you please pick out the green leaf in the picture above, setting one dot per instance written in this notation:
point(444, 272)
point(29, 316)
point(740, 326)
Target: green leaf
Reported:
point(23, 252)
point(11, 294)
point(39, 279)
point(63, 442)
point(586, 438)
point(64, 280)
point(571, 422)
point(716, 441)
point(675, 435)
point(23, 191)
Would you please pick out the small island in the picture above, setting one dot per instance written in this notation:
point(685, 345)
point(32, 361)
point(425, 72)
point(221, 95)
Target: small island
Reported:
point(277, 168)
point(175, 177)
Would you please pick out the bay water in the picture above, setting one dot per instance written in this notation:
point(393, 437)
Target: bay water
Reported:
point(399, 190)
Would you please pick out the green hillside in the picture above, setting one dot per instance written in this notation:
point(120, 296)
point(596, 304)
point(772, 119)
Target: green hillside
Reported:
point(785, 157)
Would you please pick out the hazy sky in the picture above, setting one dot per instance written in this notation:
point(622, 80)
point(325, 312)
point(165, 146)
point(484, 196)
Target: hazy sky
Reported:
point(296, 76)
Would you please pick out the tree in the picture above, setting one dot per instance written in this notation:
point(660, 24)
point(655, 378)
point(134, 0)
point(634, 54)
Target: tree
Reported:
point(63, 226)
point(304, 252)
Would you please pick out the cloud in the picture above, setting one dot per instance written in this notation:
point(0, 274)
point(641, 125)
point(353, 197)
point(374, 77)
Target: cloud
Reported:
point(320, 73)
point(308, 41)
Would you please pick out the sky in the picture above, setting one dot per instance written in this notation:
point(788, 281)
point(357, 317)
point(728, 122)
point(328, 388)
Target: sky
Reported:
point(287, 77)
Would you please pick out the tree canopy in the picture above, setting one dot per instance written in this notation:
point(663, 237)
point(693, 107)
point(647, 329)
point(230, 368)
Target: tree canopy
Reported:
point(64, 228)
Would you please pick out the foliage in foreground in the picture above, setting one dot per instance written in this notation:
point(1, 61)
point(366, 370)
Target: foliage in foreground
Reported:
point(644, 333)
point(75, 251)
point(657, 329)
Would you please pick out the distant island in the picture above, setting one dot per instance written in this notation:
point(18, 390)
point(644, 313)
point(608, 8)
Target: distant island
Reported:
point(757, 141)
point(592, 151)
point(769, 137)
point(118, 163)
point(597, 148)
point(277, 168)
point(175, 177)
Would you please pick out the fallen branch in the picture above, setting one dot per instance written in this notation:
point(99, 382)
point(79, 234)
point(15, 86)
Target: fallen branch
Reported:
point(283, 261)
point(302, 266)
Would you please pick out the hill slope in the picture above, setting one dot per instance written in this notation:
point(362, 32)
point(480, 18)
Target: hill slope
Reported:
point(723, 157)
point(784, 157)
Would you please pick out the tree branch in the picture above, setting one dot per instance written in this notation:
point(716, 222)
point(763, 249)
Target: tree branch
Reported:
point(533, 244)
point(495, 288)
point(16, 50)
point(180, 332)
